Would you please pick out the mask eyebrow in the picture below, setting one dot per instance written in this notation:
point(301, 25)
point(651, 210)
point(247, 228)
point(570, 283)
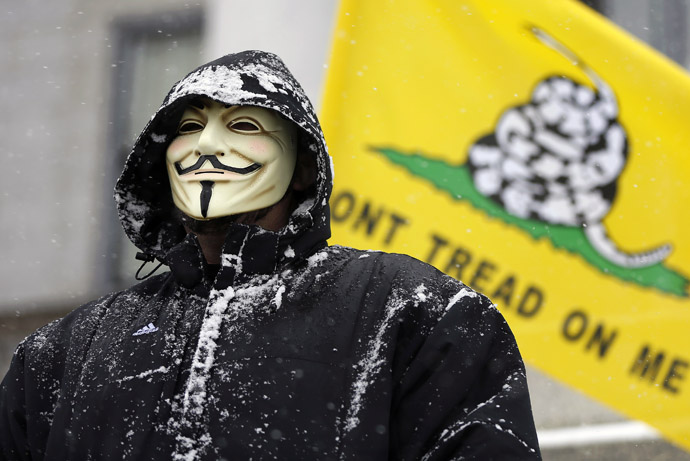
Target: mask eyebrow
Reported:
point(228, 109)
point(197, 103)
point(195, 109)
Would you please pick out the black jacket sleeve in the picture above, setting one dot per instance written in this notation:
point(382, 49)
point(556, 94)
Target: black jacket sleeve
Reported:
point(13, 425)
point(463, 393)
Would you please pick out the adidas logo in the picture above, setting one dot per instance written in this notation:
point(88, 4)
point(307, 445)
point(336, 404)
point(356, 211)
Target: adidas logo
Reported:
point(146, 330)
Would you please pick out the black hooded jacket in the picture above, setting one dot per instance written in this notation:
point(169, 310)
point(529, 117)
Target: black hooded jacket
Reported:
point(293, 350)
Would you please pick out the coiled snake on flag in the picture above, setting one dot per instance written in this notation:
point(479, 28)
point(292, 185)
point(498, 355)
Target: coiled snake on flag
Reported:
point(557, 159)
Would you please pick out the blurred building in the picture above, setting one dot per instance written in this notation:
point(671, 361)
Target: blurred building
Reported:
point(79, 80)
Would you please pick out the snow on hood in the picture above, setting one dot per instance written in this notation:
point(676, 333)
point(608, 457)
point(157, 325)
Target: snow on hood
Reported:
point(255, 78)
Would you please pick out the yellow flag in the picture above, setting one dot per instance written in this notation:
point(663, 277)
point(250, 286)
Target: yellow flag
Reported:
point(539, 154)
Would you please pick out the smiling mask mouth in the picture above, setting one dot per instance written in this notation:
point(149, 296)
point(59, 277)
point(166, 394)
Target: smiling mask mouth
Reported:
point(216, 164)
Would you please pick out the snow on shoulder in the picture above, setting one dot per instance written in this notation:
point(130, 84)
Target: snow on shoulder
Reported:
point(463, 293)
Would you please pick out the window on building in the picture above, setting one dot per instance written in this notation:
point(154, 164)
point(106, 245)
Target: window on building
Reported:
point(152, 53)
point(662, 24)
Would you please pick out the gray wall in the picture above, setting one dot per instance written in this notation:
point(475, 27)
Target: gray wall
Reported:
point(57, 62)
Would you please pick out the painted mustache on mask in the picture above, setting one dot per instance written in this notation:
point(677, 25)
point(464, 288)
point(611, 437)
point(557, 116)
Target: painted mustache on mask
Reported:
point(216, 164)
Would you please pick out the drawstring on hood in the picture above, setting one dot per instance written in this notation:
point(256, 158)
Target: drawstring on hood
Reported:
point(145, 258)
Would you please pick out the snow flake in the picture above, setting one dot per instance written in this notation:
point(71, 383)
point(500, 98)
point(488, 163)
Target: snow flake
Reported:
point(279, 296)
point(420, 292)
point(371, 362)
point(317, 258)
point(267, 78)
point(159, 138)
point(304, 207)
point(464, 292)
point(204, 355)
point(218, 82)
point(143, 374)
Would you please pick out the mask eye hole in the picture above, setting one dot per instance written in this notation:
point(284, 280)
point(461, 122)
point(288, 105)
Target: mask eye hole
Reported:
point(189, 127)
point(245, 126)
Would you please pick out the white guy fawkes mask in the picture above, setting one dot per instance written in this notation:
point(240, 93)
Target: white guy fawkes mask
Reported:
point(227, 160)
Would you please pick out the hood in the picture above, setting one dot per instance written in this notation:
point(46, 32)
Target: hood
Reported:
point(255, 78)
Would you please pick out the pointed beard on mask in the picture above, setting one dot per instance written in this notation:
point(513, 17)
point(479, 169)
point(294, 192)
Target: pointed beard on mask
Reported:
point(205, 197)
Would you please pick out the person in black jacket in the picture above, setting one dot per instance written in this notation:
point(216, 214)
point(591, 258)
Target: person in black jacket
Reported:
point(262, 342)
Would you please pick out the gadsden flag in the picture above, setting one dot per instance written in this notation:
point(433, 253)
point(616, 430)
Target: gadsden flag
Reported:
point(539, 154)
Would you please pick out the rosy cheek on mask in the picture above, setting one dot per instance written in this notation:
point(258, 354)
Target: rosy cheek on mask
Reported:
point(262, 149)
point(181, 146)
point(259, 146)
